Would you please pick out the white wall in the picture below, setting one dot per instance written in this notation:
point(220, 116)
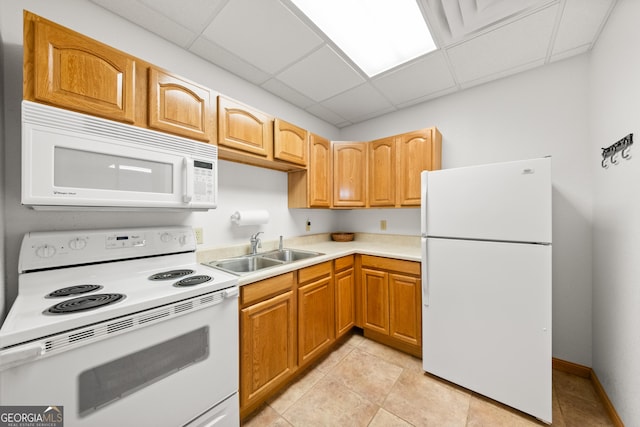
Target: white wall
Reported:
point(533, 114)
point(615, 93)
point(241, 187)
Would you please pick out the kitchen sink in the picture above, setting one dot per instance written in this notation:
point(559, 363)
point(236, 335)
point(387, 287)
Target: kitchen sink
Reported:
point(290, 255)
point(245, 264)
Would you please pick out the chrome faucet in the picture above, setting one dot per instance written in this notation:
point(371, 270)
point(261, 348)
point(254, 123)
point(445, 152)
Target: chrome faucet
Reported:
point(255, 243)
point(280, 244)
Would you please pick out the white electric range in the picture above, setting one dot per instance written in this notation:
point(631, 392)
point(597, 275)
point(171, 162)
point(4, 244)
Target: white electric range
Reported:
point(122, 326)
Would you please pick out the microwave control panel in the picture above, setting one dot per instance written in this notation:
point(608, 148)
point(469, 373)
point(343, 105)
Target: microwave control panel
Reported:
point(204, 182)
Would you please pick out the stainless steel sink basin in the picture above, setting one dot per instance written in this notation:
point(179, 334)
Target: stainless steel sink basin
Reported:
point(290, 255)
point(245, 264)
point(249, 263)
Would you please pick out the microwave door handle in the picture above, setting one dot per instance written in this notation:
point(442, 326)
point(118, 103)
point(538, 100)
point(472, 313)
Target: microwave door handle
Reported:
point(187, 194)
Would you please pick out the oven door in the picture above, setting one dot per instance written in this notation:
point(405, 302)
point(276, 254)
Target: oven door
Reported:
point(164, 367)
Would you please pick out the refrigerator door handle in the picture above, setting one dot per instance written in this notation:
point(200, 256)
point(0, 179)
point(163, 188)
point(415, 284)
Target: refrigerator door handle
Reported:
point(423, 268)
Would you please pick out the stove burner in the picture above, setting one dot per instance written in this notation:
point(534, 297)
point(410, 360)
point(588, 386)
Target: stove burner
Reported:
point(73, 290)
point(83, 303)
point(168, 275)
point(193, 280)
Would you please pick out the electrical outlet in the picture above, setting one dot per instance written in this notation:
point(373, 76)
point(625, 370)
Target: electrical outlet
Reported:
point(383, 224)
point(199, 235)
point(308, 225)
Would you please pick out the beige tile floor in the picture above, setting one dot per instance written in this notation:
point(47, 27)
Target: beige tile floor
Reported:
point(363, 383)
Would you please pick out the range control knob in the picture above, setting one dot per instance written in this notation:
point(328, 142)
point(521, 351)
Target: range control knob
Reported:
point(78, 243)
point(182, 239)
point(45, 251)
point(165, 237)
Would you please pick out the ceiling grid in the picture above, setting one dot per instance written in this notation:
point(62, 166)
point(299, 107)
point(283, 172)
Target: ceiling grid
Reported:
point(272, 44)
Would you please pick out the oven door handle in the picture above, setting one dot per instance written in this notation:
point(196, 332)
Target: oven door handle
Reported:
point(232, 292)
point(17, 356)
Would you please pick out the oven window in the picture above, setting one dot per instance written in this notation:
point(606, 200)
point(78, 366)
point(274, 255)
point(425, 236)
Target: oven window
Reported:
point(86, 169)
point(118, 378)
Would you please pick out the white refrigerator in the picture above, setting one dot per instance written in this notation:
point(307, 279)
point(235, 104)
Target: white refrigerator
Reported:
point(486, 278)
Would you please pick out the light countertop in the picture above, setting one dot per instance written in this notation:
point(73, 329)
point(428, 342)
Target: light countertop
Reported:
point(383, 245)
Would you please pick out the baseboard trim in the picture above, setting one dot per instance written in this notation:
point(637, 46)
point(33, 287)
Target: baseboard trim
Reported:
point(587, 372)
point(571, 368)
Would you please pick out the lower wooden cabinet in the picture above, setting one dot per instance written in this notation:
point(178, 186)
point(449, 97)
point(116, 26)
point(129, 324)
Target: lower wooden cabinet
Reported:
point(289, 321)
point(267, 338)
point(405, 313)
point(391, 302)
point(345, 289)
point(316, 330)
point(375, 300)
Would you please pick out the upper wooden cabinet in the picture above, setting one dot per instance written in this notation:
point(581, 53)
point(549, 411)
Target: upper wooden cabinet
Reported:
point(349, 174)
point(417, 151)
point(290, 143)
point(179, 106)
point(247, 135)
point(67, 69)
point(382, 172)
point(243, 128)
point(312, 188)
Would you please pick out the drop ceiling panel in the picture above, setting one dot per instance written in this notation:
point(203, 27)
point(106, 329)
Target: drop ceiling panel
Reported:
point(263, 33)
point(503, 73)
point(150, 19)
point(223, 59)
point(358, 103)
point(321, 75)
point(192, 14)
point(430, 74)
point(580, 25)
point(285, 92)
point(328, 115)
point(520, 42)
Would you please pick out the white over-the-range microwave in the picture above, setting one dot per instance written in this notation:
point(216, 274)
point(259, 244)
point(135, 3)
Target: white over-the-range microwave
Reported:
point(76, 161)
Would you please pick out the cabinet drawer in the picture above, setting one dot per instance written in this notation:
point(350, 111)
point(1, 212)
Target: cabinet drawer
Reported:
point(344, 262)
point(389, 264)
point(255, 292)
point(314, 272)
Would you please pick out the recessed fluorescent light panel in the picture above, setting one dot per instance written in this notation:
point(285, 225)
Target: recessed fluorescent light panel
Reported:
point(376, 34)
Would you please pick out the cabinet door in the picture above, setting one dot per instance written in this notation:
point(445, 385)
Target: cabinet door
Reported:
point(311, 188)
point(345, 301)
point(179, 106)
point(382, 172)
point(315, 319)
point(349, 174)
point(375, 300)
point(243, 128)
point(78, 73)
point(405, 309)
point(290, 143)
point(417, 151)
point(319, 172)
point(267, 346)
